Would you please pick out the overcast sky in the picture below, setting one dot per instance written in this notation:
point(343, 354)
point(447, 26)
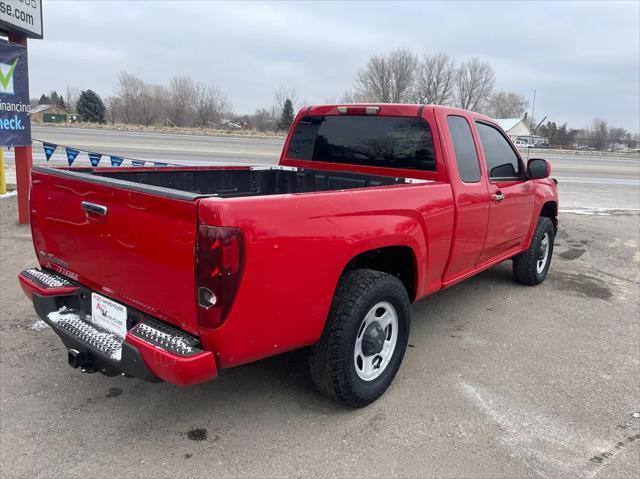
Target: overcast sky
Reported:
point(581, 57)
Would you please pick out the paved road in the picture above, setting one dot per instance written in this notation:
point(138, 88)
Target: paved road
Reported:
point(166, 146)
point(586, 180)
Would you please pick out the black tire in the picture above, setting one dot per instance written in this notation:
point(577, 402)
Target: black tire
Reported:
point(525, 266)
point(332, 362)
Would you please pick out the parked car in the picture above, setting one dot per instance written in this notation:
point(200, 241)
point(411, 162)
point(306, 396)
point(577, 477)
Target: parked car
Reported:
point(175, 273)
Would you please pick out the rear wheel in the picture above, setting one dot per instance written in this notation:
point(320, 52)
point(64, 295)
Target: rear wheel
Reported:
point(364, 339)
point(531, 267)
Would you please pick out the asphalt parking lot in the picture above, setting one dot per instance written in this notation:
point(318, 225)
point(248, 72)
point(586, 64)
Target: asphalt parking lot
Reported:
point(500, 380)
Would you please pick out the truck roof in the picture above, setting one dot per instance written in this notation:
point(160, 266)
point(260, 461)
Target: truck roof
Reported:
point(389, 109)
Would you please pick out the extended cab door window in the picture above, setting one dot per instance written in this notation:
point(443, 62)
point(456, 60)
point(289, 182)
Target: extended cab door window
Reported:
point(465, 149)
point(502, 162)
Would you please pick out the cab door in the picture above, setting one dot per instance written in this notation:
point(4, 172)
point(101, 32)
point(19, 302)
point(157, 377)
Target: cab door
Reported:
point(511, 194)
point(470, 193)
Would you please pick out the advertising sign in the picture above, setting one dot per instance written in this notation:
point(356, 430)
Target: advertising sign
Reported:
point(21, 16)
point(15, 125)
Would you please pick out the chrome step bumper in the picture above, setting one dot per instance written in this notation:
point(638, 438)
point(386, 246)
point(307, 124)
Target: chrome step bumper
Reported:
point(79, 327)
point(150, 349)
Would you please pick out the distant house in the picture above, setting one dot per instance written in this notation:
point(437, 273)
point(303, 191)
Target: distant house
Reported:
point(52, 114)
point(519, 132)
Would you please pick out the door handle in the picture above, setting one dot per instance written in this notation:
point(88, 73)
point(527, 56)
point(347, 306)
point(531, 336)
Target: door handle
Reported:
point(94, 208)
point(497, 196)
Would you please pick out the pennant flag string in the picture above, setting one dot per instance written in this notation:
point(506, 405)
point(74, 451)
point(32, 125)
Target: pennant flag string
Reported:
point(72, 153)
point(49, 149)
point(116, 160)
point(94, 158)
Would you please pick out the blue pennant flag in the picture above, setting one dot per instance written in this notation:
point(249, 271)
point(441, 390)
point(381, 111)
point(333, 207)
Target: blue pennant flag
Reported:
point(71, 155)
point(116, 160)
point(137, 162)
point(49, 149)
point(157, 163)
point(94, 158)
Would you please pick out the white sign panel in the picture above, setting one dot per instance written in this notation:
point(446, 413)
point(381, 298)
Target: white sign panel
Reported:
point(109, 315)
point(22, 16)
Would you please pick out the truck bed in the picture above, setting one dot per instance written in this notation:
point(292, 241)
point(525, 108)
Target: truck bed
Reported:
point(236, 182)
point(117, 231)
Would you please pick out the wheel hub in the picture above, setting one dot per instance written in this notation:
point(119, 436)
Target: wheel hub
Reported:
point(376, 341)
point(541, 252)
point(373, 340)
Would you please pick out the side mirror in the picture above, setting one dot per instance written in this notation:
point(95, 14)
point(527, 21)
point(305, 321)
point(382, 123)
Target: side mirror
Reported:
point(538, 168)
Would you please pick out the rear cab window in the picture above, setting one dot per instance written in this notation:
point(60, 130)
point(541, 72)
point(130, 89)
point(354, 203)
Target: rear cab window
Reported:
point(502, 161)
point(379, 141)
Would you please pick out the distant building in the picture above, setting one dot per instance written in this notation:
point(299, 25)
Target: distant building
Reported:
point(520, 133)
point(52, 114)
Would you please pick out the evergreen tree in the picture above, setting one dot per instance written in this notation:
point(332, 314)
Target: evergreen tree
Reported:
point(91, 107)
point(286, 118)
point(56, 99)
point(44, 100)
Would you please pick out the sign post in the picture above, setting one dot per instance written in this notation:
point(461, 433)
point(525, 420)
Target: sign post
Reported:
point(3, 181)
point(19, 20)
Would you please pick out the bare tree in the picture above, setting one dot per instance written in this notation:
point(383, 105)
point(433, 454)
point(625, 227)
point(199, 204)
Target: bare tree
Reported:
point(474, 84)
point(506, 104)
point(114, 107)
point(209, 104)
point(151, 107)
point(387, 78)
point(179, 101)
point(130, 90)
point(351, 96)
point(282, 94)
point(403, 73)
point(71, 97)
point(436, 80)
point(263, 120)
point(599, 134)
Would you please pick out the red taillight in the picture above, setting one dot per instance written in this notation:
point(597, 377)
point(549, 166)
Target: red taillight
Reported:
point(220, 260)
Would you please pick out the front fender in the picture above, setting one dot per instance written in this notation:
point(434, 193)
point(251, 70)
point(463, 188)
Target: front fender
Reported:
point(546, 191)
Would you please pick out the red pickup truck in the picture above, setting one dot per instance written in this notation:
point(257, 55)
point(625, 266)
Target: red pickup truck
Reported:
point(176, 273)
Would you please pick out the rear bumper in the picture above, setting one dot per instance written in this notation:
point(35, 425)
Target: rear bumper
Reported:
point(151, 350)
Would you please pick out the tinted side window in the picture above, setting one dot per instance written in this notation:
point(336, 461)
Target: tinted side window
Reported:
point(502, 161)
point(466, 155)
point(391, 142)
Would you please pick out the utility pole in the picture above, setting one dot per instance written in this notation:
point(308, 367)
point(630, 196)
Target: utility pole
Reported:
point(533, 109)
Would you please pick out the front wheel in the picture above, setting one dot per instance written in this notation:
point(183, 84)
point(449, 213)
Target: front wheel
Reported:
point(531, 267)
point(364, 339)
